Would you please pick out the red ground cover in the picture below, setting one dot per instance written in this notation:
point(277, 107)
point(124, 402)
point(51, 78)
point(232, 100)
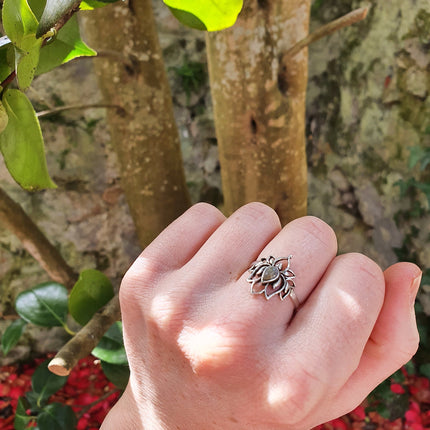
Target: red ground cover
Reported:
point(85, 386)
point(91, 396)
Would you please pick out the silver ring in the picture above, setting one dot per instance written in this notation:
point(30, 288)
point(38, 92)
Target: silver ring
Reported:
point(269, 278)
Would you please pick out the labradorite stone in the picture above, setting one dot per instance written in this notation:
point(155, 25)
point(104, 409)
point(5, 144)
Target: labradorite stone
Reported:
point(270, 274)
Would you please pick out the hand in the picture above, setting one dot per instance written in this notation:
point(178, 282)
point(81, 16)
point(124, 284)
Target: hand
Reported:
point(206, 354)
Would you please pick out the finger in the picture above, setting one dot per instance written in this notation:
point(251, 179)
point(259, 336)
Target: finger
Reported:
point(325, 340)
point(229, 323)
point(184, 294)
point(178, 242)
point(313, 245)
point(394, 338)
point(226, 254)
point(169, 251)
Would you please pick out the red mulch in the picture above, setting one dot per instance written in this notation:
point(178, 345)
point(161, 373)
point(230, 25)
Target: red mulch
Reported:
point(87, 384)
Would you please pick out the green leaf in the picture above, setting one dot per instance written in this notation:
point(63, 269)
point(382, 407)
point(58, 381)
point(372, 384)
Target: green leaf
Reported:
point(21, 143)
point(66, 46)
point(12, 335)
point(188, 19)
point(26, 60)
point(37, 6)
point(45, 383)
point(211, 15)
point(44, 305)
point(118, 374)
point(18, 20)
point(57, 416)
point(21, 418)
point(92, 291)
point(5, 67)
point(54, 10)
point(111, 346)
point(3, 117)
point(20, 25)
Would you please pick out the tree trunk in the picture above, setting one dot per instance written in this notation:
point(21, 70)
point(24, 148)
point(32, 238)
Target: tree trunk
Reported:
point(132, 75)
point(259, 106)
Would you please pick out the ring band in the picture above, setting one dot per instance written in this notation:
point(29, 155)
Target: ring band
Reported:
point(269, 278)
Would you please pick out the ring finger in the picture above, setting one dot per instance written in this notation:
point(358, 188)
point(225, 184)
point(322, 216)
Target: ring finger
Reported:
point(312, 244)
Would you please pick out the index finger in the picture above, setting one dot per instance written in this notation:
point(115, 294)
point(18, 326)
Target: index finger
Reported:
point(178, 242)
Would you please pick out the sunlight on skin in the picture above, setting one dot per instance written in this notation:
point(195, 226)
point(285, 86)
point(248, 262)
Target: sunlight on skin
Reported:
point(206, 348)
point(276, 395)
point(348, 301)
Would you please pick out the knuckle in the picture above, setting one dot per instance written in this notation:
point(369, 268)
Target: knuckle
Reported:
point(302, 388)
point(366, 265)
point(257, 211)
point(165, 315)
point(136, 283)
point(361, 269)
point(205, 210)
point(318, 229)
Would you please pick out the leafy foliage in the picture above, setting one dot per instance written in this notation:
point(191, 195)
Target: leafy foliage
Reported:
point(57, 416)
point(211, 15)
point(65, 46)
point(86, 391)
point(34, 407)
point(12, 335)
point(92, 291)
point(21, 143)
point(22, 56)
point(47, 305)
point(44, 305)
point(111, 347)
point(44, 383)
point(20, 25)
point(118, 374)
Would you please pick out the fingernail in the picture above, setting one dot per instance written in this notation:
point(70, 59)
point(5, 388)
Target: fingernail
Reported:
point(415, 285)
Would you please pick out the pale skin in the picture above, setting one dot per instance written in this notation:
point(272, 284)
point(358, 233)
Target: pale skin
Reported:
point(205, 353)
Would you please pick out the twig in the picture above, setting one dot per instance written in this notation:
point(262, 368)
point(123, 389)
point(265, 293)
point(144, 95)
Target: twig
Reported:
point(344, 21)
point(34, 241)
point(86, 339)
point(55, 110)
point(8, 80)
point(86, 408)
point(62, 20)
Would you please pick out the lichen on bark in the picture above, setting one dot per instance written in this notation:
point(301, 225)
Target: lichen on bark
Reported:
point(132, 75)
point(259, 106)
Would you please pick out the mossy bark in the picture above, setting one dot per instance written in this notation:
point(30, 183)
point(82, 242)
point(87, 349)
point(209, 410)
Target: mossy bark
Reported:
point(132, 75)
point(259, 106)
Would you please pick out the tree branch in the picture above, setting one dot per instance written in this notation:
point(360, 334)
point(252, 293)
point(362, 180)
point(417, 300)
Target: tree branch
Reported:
point(86, 339)
point(35, 242)
point(344, 21)
point(55, 110)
